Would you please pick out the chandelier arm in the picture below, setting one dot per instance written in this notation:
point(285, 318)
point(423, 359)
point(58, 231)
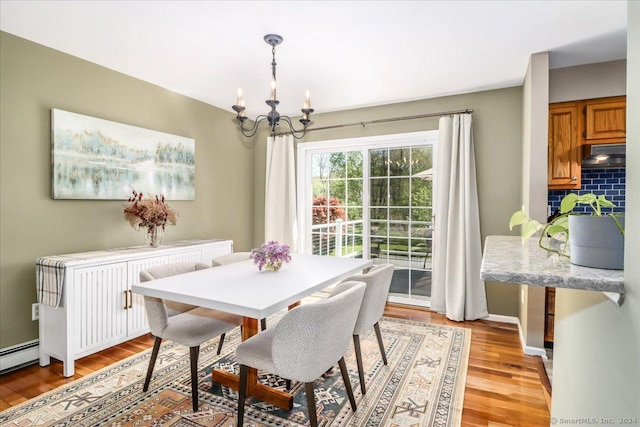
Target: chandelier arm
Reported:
point(249, 132)
point(293, 131)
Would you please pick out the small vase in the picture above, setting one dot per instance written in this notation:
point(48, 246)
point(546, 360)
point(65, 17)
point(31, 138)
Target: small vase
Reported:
point(153, 236)
point(273, 265)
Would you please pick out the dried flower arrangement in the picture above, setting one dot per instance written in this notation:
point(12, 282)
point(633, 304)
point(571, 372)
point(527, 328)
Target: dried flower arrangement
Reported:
point(151, 212)
point(271, 255)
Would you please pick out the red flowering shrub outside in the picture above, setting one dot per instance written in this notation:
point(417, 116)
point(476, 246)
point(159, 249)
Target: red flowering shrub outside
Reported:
point(326, 213)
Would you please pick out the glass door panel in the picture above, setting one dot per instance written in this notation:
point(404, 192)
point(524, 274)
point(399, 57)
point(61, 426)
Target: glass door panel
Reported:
point(336, 207)
point(400, 218)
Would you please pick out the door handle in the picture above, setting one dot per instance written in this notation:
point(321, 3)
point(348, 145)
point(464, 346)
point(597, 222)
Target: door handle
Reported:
point(126, 299)
point(130, 299)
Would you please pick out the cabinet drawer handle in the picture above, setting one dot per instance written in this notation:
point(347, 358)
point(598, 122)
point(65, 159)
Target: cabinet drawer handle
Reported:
point(575, 178)
point(130, 299)
point(126, 299)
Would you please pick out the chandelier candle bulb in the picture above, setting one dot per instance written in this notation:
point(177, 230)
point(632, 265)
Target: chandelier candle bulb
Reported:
point(240, 101)
point(307, 102)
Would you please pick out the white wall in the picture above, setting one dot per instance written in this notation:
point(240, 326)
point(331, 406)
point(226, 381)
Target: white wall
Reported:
point(596, 372)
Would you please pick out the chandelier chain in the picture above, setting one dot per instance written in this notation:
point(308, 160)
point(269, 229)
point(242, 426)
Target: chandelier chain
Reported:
point(273, 63)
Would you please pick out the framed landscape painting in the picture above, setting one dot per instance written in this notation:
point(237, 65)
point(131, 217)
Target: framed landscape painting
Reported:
point(100, 159)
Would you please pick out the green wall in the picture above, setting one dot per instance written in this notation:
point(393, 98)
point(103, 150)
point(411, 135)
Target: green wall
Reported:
point(497, 127)
point(33, 80)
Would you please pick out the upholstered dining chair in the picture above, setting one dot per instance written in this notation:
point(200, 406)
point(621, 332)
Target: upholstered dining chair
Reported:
point(182, 323)
point(378, 280)
point(231, 258)
point(305, 343)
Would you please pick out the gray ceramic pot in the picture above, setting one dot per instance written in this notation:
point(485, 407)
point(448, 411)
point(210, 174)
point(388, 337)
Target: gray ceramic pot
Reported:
point(596, 241)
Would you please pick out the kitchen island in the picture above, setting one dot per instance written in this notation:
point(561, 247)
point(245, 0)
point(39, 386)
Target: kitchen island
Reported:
point(507, 260)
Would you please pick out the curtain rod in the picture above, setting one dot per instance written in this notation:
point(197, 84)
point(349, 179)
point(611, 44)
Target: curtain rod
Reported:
point(391, 119)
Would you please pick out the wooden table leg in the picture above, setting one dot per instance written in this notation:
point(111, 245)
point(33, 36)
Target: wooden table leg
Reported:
point(294, 305)
point(268, 394)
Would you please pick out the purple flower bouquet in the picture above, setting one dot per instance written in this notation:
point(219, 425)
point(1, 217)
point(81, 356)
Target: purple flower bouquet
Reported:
point(271, 255)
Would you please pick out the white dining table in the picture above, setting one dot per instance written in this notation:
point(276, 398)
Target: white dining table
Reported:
point(240, 288)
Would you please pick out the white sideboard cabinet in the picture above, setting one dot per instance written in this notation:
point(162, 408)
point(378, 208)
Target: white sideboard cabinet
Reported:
point(98, 309)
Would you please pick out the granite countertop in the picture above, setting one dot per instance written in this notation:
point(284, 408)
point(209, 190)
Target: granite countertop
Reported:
point(507, 260)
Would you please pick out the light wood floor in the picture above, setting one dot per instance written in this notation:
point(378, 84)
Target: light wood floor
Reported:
point(503, 387)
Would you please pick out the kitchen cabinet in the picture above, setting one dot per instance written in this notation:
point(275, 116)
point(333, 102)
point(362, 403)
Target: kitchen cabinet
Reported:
point(98, 309)
point(605, 121)
point(565, 148)
point(575, 125)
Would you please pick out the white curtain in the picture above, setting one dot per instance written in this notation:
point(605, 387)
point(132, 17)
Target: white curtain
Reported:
point(457, 289)
point(280, 192)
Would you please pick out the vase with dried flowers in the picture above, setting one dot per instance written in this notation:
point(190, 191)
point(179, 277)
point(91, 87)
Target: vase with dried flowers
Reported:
point(151, 213)
point(271, 255)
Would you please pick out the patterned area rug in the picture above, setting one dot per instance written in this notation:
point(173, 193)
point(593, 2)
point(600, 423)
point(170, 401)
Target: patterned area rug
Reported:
point(423, 385)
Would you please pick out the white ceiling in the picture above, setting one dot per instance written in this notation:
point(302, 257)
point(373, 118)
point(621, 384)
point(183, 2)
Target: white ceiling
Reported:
point(347, 53)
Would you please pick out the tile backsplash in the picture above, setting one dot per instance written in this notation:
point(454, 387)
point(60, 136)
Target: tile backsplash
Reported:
point(610, 182)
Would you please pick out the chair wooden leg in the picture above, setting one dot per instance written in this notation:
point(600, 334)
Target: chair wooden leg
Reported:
point(194, 352)
point(221, 342)
point(152, 363)
point(356, 345)
point(347, 383)
point(263, 324)
point(380, 343)
point(242, 394)
point(311, 404)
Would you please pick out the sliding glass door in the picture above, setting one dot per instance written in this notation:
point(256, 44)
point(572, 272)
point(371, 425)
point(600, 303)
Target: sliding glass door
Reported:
point(372, 198)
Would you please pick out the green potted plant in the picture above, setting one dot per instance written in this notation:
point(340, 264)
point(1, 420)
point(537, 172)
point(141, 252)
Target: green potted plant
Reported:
point(597, 240)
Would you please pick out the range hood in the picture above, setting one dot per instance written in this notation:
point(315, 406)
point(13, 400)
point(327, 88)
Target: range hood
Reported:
point(606, 156)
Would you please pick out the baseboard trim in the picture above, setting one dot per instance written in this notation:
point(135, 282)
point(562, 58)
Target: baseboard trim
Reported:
point(535, 351)
point(529, 350)
point(17, 356)
point(503, 319)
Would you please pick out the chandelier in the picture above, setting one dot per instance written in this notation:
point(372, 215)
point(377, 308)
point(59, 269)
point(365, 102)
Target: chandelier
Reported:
point(273, 117)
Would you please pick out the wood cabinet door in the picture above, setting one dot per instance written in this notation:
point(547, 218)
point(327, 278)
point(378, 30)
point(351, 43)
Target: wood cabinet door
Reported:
point(606, 122)
point(565, 149)
point(550, 304)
